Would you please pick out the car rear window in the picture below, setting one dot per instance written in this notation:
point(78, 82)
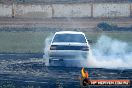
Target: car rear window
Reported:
point(69, 38)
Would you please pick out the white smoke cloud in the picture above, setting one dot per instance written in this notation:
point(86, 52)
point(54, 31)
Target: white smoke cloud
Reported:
point(47, 46)
point(106, 53)
point(110, 53)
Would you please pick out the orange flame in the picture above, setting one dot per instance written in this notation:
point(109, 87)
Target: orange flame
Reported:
point(84, 74)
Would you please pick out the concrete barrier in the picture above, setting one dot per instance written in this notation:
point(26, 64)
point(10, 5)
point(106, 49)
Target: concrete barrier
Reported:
point(33, 11)
point(5, 10)
point(111, 10)
point(96, 10)
point(71, 10)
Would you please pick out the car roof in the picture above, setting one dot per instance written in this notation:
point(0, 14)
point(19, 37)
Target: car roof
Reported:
point(69, 32)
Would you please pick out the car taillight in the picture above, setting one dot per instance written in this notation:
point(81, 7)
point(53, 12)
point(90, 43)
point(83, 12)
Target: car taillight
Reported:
point(85, 49)
point(53, 48)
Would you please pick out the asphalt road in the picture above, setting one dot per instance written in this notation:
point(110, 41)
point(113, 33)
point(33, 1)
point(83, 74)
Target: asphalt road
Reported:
point(34, 74)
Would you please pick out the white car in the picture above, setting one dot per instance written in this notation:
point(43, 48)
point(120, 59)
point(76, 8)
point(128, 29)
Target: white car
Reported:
point(68, 48)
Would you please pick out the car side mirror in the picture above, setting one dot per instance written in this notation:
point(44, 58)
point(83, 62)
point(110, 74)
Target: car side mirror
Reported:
point(90, 41)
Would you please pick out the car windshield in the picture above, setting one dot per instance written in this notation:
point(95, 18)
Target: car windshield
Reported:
point(69, 38)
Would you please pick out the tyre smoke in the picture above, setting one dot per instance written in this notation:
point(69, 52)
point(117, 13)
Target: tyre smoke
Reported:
point(105, 53)
point(110, 53)
point(46, 48)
